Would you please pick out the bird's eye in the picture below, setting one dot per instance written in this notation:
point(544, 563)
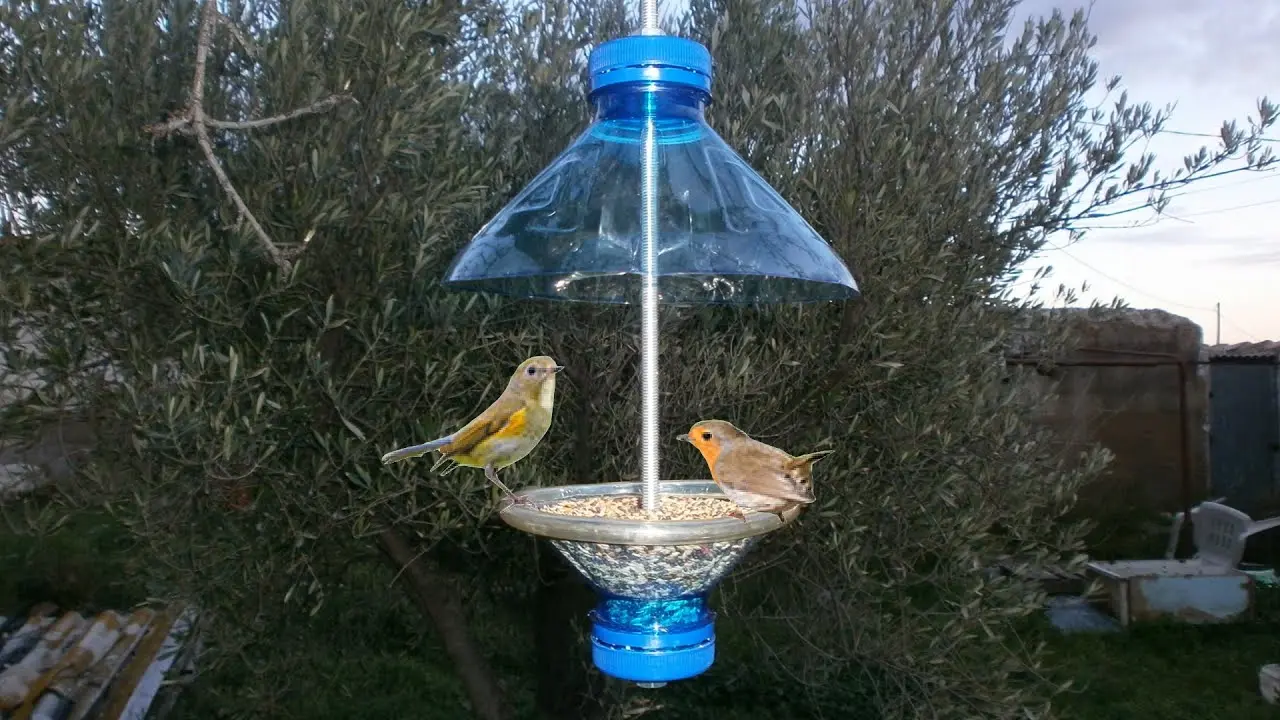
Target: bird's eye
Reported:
point(706, 436)
point(531, 370)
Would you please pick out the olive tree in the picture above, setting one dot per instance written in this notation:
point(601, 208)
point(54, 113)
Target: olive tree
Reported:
point(225, 229)
point(243, 210)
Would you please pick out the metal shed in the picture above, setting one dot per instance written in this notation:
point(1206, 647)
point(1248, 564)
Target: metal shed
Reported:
point(1244, 428)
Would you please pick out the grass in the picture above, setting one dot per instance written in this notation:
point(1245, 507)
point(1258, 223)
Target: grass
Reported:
point(369, 655)
point(1168, 672)
point(82, 563)
point(337, 677)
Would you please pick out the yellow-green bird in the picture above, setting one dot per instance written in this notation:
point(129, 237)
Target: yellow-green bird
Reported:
point(505, 432)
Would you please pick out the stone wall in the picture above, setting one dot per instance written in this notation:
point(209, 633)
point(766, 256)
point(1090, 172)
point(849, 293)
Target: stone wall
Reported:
point(52, 454)
point(1132, 411)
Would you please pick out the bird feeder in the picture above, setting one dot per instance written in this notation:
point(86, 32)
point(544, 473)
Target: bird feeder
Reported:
point(649, 205)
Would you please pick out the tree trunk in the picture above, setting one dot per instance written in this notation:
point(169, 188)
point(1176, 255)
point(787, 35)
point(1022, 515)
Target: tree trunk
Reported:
point(566, 689)
point(432, 594)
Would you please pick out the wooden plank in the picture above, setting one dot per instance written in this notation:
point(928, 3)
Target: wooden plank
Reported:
point(1052, 578)
point(1139, 590)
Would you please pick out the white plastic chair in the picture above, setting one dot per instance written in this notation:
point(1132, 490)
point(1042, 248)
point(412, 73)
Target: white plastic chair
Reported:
point(1220, 532)
point(1177, 518)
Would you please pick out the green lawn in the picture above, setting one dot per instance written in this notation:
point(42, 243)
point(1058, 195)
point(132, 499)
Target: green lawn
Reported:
point(1168, 672)
point(364, 659)
point(84, 562)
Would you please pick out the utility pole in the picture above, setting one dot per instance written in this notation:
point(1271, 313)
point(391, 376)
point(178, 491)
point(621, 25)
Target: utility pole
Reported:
point(1217, 310)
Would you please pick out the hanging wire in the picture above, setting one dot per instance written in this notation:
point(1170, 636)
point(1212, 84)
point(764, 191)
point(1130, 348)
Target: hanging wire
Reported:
point(649, 446)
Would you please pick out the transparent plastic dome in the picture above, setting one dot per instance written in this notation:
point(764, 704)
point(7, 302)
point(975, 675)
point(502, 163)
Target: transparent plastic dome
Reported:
point(724, 235)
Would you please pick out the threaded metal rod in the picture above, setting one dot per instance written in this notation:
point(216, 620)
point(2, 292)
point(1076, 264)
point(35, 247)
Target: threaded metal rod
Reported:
point(649, 448)
point(649, 18)
point(650, 456)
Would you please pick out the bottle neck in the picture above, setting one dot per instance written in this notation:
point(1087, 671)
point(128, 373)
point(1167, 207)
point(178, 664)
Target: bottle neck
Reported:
point(650, 100)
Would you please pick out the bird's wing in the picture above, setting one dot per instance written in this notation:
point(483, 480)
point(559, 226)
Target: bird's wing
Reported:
point(761, 469)
point(506, 417)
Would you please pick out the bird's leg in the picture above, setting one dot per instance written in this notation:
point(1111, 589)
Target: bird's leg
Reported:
point(738, 513)
point(492, 474)
point(780, 518)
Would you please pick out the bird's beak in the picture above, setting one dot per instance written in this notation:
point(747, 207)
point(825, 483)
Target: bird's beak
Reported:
point(684, 437)
point(556, 368)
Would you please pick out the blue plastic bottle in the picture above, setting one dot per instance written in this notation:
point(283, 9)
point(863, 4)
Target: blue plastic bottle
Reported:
point(723, 234)
point(653, 642)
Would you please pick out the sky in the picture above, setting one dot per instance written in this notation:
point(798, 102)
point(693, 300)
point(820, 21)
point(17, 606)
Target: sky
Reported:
point(1222, 243)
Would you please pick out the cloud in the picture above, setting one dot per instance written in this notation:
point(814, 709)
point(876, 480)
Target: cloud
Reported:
point(1196, 244)
point(1264, 257)
point(1224, 46)
point(1214, 59)
point(1173, 234)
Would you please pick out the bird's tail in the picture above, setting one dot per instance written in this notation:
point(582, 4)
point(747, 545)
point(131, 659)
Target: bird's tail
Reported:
point(414, 451)
point(804, 462)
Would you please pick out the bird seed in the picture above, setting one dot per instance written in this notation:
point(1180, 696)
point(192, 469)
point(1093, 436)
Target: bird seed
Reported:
point(650, 571)
point(628, 507)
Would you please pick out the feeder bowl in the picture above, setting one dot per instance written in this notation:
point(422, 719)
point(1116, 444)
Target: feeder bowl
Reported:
point(653, 624)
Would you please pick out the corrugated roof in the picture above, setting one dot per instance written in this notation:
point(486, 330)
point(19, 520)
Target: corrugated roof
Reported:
point(60, 664)
point(1252, 350)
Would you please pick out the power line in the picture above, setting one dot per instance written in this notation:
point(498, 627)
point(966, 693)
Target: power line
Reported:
point(1236, 325)
point(1184, 133)
point(1216, 136)
point(1167, 184)
point(1157, 298)
point(1180, 217)
point(1265, 176)
point(1124, 284)
point(1229, 209)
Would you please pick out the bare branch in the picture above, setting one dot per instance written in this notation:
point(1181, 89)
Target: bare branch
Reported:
point(240, 37)
point(179, 123)
point(273, 251)
point(315, 107)
point(193, 121)
point(208, 18)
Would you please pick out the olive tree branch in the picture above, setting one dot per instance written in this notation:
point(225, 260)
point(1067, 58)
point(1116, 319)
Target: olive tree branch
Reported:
point(236, 33)
point(191, 120)
point(315, 107)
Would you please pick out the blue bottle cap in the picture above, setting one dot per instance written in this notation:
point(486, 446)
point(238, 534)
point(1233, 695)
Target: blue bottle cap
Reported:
point(653, 657)
point(650, 58)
